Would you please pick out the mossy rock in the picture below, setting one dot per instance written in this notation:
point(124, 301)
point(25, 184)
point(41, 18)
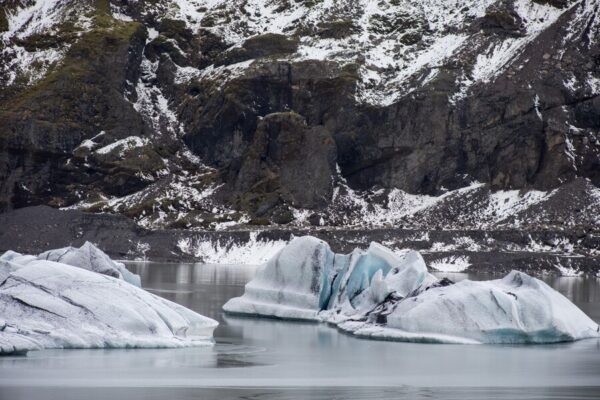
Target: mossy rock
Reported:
point(138, 159)
point(146, 207)
point(350, 71)
point(96, 207)
point(175, 29)
point(71, 102)
point(337, 29)
point(162, 45)
point(269, 44)
point(207, 179)
point(66, 32)
point(501, 18)
point(283, 217)
point(411, 38)
point(260, 46)
point(259, 221)
point(257, 203)
point(386, 24)
point(210, 220)
point(182, 223)
point(76, 67)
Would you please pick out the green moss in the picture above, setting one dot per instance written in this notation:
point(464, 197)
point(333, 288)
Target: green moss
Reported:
point(76, 68)
point(175, 29)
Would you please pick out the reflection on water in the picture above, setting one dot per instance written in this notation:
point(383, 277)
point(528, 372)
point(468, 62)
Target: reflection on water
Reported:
point(296, 393)
point(271, 359)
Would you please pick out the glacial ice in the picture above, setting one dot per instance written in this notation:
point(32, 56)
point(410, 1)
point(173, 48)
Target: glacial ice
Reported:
point(383, 295)
point(91, 258)
point(49, 304)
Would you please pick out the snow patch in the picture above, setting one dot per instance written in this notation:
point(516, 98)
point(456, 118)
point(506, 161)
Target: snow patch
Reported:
point(451, 264)
point(253, 252)
point(123, 145)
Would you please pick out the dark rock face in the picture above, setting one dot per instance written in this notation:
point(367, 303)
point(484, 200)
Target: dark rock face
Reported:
point(274, 119)
point(284, 156)
point(501, 18)
point(42, 125)
point(266, 45)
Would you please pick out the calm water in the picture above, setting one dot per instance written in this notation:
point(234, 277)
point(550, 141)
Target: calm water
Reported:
point(270, 359)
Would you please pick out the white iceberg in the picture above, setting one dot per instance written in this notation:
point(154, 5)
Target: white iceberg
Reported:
point(46, 304)
point(91, 258)
point(379, 294)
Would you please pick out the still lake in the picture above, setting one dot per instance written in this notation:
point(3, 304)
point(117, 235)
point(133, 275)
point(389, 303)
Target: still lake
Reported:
point(271, 359)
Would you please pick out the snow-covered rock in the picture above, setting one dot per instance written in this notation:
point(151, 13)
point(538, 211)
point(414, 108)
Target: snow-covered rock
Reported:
point(91, 258)
point(379, 294)
point(47, 304)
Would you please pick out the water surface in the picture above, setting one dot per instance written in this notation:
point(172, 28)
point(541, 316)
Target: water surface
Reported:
point(271, 359)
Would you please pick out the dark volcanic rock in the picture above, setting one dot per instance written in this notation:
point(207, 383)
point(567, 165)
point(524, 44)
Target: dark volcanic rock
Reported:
point(501, 18)
point(284, 156)
point(42, 125)
point(36, 229)
point(273, 100)
point(267, 45)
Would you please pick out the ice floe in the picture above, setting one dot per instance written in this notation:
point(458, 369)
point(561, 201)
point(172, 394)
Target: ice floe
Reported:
point(379, 294)
point(84, 300)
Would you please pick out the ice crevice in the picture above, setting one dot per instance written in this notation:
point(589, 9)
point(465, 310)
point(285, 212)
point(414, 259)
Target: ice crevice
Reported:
point(378, 294)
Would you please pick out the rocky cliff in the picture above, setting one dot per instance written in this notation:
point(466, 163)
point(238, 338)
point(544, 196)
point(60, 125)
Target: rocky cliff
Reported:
point(214, 113)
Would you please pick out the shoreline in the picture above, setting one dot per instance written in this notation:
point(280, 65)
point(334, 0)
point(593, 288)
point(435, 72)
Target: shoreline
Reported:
point(564, 252)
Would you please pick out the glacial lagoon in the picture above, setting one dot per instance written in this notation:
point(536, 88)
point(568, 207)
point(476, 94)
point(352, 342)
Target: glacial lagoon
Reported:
point(273, 359)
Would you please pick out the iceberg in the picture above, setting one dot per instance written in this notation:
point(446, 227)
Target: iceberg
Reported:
point(91, 258)
point(379, 294)
point(49, 304)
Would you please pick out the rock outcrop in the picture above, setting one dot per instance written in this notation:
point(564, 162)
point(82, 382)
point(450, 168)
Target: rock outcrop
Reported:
point(194, 114)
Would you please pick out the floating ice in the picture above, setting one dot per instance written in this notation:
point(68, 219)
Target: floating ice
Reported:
point(91, 258)
point(379, 294)
point(47, 304)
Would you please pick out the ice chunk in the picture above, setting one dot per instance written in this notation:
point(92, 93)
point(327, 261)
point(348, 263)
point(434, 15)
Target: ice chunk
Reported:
point(290, 284)
point(380, 294)
point(306, 277)
point(91, 258)
point(46, 304)
point(515, 309)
